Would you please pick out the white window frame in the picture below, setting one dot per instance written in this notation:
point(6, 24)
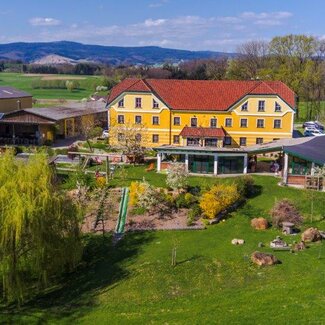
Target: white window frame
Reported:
point(259, 142)
point(118, 119)
point(155, 104)
point(192, 118)
point(280, 126)
point(178, 137)
point(245, 141)
point(119, 103)
point(246, 123)
point(135, 119)
point(277, 105)
point(153, 120)
point(242, 107)
point(136, 104)
point(215, 119)
point(228, 119)
point(258, 107)
point(260, 127)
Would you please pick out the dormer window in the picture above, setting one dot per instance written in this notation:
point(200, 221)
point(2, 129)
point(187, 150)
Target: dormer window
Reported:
point(138, 102)
point(277, 107)
point(261, 105)
point(155, 104)
point(121, 103)
point(244, 107)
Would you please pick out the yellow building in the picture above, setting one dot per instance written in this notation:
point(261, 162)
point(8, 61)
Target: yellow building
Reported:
point(202, 113)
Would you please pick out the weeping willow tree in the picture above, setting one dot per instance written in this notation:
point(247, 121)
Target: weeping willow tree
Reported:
point(39, 227)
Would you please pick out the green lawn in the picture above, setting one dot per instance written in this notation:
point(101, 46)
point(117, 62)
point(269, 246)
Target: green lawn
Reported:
point(24, 82)
point(213, 281)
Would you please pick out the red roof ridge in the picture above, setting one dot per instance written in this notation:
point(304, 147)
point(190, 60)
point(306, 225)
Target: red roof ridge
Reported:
point(260, 84)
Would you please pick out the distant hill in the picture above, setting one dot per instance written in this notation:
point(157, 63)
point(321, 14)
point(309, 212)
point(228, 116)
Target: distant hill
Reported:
point(72, 51)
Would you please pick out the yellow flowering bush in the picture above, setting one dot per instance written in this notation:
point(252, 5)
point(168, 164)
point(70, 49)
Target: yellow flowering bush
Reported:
point(219, 198)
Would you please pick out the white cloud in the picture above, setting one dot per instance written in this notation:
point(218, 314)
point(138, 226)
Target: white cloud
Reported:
point(157, 4)
point(44, 21)
point(151, 22)
point(222, 33)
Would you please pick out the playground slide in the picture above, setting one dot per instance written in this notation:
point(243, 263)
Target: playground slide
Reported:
point(122, 211)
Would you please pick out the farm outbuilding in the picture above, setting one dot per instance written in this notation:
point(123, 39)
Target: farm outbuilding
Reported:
point(38, 126)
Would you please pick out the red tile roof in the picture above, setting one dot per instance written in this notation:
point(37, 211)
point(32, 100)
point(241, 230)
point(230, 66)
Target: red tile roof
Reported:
point(204, 95)
point(202, 132)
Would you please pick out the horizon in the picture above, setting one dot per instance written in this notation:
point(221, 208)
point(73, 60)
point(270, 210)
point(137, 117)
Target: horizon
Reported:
point(171, 24)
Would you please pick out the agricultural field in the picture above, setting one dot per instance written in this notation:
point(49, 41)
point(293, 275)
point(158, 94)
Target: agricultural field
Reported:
point(25, 82)
point(212, 282)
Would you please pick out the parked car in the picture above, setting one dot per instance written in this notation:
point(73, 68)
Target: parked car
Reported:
point(105, 134)
point(313, 124)
point(312, 132)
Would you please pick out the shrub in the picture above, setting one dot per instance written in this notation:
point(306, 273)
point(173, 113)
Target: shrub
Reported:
point(193, 214)
point(218, 198)
point(101, 181)
point(136, 188)
point(245, 186)
point(285, 211)
point(189, 199)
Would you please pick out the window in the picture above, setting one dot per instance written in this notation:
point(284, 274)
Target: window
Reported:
point(242, 141)
point(213, 123)
point(244, 107)
point(259, 140)
point(138, 102)
point(193, 141)
point(177, 120)
point(243, 123)
point(228, 122)
point(155, 138)
point(261, 105)
point(277, 107)
point(120, 137)
point(121, 103)
point(120, 119)
point(211, 142)
point(260, 123)
point(227, 141)
point(138, 137)
point(155, 120)
point(176, 139)
point(194, 122)
point(138, 119)
point(277, 124)
point(155, 104)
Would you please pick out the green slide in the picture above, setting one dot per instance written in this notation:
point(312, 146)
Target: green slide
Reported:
point(122, 211)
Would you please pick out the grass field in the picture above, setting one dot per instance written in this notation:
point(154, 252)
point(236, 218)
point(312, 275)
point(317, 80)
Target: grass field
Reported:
point(24, 82)
point(212, 283)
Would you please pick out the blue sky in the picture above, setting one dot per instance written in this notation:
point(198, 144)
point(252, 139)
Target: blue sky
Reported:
point(219, 25)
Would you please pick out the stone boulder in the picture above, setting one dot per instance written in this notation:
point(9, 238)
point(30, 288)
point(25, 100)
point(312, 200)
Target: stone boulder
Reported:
point(311, 235)
point(236, 241)
point(259, 223)
point(262, 259)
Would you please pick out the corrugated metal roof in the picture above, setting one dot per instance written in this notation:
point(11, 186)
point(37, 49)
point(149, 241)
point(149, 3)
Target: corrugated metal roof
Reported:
point(59, 113)
point(10, 92)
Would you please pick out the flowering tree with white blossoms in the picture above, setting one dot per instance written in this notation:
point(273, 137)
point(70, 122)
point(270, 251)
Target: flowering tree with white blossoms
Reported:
point(177, 176)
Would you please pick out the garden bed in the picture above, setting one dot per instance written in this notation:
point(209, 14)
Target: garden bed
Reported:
point(175, 221)
point(109, 212)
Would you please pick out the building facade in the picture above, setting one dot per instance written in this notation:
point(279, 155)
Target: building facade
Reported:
point(12, 99)
point(199, 113)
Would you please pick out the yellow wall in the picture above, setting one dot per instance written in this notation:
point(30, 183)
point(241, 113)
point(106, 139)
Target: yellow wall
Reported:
point(166, 117)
